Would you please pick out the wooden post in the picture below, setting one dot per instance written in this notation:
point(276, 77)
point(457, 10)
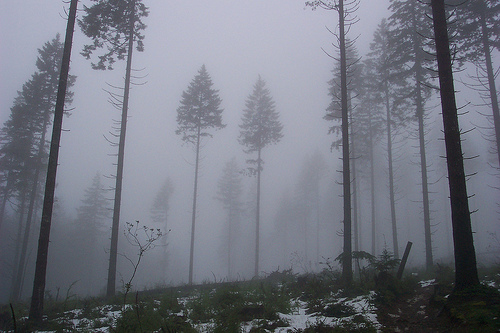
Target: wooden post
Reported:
point(403, 261)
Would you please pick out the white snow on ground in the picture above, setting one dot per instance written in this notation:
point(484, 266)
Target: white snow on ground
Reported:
point(427, 283)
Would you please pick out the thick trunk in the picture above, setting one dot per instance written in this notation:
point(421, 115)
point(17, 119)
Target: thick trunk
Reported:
point(491, 82)
point(257, 217)
point(346, 175)
point(193, 217)
point(36, 308)
point(113, 252)
point(465, 255)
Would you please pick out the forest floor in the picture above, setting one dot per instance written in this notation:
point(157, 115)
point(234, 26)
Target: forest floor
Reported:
point(282, 302)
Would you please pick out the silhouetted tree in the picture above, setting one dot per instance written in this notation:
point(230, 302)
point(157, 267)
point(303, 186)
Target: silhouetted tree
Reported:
point(39, 96)
point(36, 306)
point(159, 214)
point(229, 191)
point(390, 99)
point(89, 225)
point(478, 27)
point(345, 20)
point(465, 254)
point(260, 127)
point(408, 25)
point(116, 26)
point(198, 113)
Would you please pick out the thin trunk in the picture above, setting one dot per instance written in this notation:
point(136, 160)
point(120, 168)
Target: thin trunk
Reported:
point(257, 218)
point(113, 252)
point(465, 254)
point(36, 307)
point(5, 198)
point(421, 137)
point(491, 82)
point(372, 189)
point(392, 198)
point(20, 224)
point(193, 217)
point(19, 277)
point(346, 175)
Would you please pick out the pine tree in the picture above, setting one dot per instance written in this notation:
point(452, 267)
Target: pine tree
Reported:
point(198, 113)
point(229, 191)
point(345, 11)
point(391, 99)
point(159, 214)
point(116, 26)
point(39, 98)
point(260, 127)
point(408, 25)
point(478, 27)
point(89, 225)
point(36, 306)
point(465, 255)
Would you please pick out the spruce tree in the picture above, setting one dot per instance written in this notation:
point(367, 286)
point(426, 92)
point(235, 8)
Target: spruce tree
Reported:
point(408, 27)
point(259, 128)
point(37, 298)
point(198, 113)
point(229, 191)
point(116, 26)
point(465, 255)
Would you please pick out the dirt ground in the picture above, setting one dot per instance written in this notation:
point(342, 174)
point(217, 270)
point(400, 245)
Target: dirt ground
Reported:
point(416, 313)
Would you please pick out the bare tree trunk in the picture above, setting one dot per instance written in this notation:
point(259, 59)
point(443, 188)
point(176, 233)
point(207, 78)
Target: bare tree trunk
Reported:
point(19, 276)
point(372, 191)
point(346, 174)
point(392, 199)
point(465, 255)
point(421, 137)
point(113, 252)
point(36, 307)
point(257, 217)
point(491, 82)
point(195, 196)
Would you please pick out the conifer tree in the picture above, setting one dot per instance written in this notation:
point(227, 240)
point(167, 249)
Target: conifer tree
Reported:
point(345, 10)
point(89, 226)
point(408, 27)
point(478, 28)
point(116, 26)
point(465, 255)
point(229, 191)
point(37, 298)
point(39, 98)
point(198, 113)
point(259, 128)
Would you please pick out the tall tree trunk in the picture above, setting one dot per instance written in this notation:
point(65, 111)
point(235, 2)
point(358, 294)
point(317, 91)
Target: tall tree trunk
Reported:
point(257, 217)
point(421, 137)
point(195, 196)
point(113, 252)
point(465, 254)
point(491, 82)
point(355, 209)
point(20, 224)
point(392, 199)
point(5, 198)
point(36, 307)
point(372, 189)
point(19, 276)
point(346, 175)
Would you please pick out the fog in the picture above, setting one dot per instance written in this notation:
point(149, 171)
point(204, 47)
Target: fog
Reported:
point(288, 46)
